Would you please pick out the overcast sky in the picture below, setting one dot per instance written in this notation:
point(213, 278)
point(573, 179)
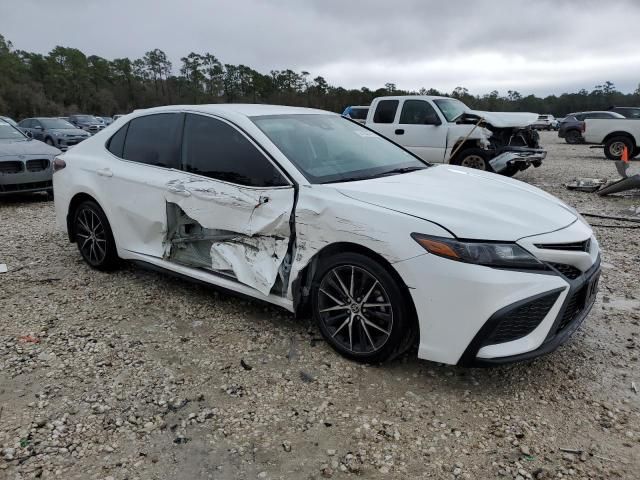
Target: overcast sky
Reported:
point(539, 46)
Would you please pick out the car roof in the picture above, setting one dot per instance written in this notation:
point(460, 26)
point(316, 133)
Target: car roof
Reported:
point(244, 109)
point(416, 97)
point(592, 111)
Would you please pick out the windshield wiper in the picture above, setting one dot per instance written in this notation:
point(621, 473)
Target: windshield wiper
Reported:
point(400, 170)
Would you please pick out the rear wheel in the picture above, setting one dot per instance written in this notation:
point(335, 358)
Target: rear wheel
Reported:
point(94, 237)
point(361, 309)
point(614, 147)
point(573, 137)
point(473, 158)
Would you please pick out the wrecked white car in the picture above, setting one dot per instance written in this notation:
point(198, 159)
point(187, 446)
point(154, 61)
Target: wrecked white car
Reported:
point(445, 130)
point(317, 214)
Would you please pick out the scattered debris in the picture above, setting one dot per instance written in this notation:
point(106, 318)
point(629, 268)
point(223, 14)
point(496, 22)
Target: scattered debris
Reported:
point(306, 377)
point(586, 184)
point(29, 339)
point(245, 365)
point(3, 268)
point(630, 179)
point(574, 451)
point(634, 388)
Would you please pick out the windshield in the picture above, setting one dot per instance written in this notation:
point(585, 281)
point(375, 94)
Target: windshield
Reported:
point(86, 118)
point(55, 123)
point(328, 148)
point(7, 132)
point(451, 108)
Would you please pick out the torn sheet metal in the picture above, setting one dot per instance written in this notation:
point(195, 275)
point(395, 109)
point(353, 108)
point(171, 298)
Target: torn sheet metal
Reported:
point(239, 231)
point(630, 179)
point(585, 184)
point(254, 261)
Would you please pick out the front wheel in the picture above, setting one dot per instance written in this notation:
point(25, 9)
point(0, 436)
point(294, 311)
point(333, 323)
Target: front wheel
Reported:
point(94, 237)
point(49, 141)
point(614, 147)
point(473, 158)
point(361, 310)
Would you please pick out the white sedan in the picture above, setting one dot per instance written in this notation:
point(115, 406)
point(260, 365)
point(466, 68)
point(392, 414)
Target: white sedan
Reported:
point(320, 215)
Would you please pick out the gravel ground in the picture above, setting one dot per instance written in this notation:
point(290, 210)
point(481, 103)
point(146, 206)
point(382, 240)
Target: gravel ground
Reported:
point(137, 375)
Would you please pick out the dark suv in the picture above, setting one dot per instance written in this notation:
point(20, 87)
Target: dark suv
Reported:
point(572, 126)
point(88, 123)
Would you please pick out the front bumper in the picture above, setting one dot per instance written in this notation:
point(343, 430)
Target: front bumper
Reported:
point(63, 143)
point(519, 157)
point(458, 305)
point(32, 173)
point(574, 309)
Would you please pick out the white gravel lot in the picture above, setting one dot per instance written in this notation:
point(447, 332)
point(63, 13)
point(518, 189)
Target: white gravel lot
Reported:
point(137, 375)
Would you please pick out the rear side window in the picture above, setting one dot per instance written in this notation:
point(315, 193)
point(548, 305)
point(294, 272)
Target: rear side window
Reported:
point(154, 140)
point(417, 112)
point(116, 143)
point(215, 149)
point(385, 111)
point(359, 113)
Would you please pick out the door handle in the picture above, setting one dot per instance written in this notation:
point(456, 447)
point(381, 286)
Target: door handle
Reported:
point(105, 172)
point(179, 191)
point(399, 131)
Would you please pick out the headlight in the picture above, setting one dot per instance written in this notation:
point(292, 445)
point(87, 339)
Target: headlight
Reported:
point(490, 254)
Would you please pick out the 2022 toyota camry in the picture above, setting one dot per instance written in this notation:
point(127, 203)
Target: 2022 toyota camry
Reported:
point(317, 214)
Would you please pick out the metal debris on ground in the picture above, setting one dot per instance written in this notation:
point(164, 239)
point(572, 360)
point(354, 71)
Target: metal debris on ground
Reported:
point(630, 179)
point(586, 184)
point(3, 268)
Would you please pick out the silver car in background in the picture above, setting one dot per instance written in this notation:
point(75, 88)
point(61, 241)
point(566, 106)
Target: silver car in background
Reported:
point(25, 164)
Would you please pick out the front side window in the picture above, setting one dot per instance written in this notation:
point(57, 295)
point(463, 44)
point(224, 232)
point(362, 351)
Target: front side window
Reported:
point(329, 148)
point(215, 149)
point(418, 112)
point(385, 111)
point(154, 140)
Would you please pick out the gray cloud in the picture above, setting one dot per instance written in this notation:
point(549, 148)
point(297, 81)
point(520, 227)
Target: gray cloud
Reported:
point(534, 47)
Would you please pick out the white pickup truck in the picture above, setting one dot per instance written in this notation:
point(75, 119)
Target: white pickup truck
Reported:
point(614, 134)
point(445, 130)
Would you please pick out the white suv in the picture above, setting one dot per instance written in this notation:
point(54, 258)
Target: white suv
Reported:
point(317, 214)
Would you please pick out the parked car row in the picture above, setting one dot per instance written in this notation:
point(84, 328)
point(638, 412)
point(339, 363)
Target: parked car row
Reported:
point(572, 126)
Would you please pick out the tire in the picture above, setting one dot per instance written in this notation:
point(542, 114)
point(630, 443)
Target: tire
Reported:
point(93, 236)
point(573, 137)
point(473, 158)
point(636, 152)
point(346, 284)
point(613, 147)
point(49, 141)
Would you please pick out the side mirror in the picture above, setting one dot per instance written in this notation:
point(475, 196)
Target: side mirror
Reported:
point(38, 127)
point(29, 134)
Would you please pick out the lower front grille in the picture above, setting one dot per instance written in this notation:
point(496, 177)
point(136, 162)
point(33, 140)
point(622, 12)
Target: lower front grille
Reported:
point(576, 303)
point(568, 271)
point(18, 187)
point(37, 165)
point(522, 320)
point(11, 167)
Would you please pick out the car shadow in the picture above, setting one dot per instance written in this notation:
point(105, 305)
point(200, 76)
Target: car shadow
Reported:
point(26, 198)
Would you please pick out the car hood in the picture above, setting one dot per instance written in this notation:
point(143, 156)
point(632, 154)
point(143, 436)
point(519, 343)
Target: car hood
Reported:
point(507, 119)
point(25, 147)
point(469, 203)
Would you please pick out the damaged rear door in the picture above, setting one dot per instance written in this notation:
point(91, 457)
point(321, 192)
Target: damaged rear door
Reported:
point(230, 211)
